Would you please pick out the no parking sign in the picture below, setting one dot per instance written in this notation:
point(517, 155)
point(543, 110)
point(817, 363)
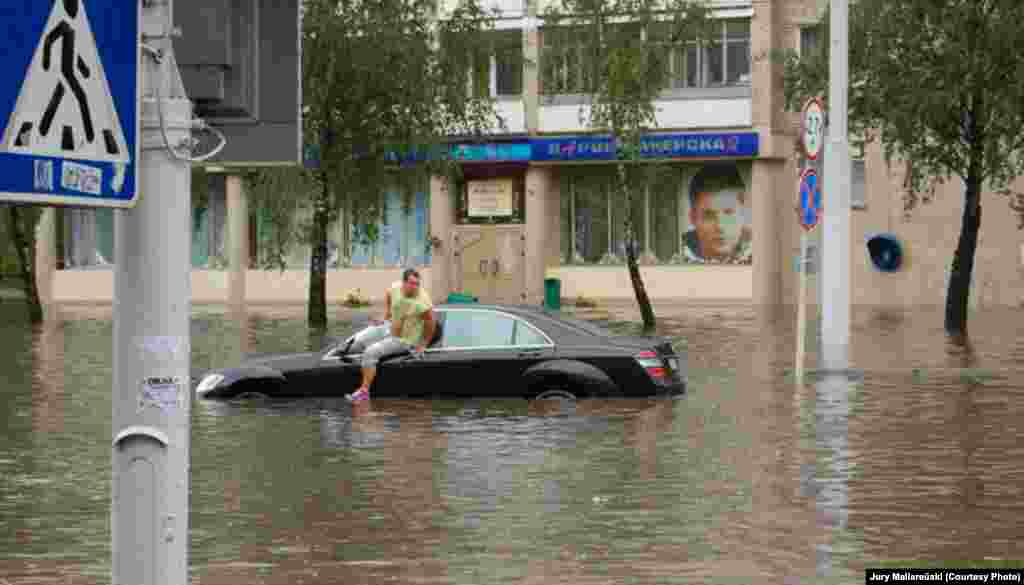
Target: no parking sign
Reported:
point(810, 199)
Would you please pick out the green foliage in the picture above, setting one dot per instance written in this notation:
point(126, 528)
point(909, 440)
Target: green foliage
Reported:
point(939, 83)
point(277, 195)
point(625, 47)
point(625, 57)
point(380, 76)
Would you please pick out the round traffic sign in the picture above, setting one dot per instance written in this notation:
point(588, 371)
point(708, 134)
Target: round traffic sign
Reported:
point(812, 128)
point(810, 199)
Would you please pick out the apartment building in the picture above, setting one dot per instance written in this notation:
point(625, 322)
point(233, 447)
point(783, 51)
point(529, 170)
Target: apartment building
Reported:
point(717, 221)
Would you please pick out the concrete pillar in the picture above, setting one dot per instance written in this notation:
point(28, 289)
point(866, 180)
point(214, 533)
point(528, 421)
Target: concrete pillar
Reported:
point(766, 204)
point(238, 239)
point(442, 222)
point(541, 204)
point(46, 257)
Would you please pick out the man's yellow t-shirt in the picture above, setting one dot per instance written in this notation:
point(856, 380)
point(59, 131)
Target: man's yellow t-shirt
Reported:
point(408, 313)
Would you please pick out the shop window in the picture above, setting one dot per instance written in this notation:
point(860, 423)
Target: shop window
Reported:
point(664, 195)
point(89, 238)
point(705, 220)
point(393, 232)
point(595, 216)
point(209, 221)
point(397, 238)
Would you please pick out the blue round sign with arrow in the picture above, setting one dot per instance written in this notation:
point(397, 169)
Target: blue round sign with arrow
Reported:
point(810, 199)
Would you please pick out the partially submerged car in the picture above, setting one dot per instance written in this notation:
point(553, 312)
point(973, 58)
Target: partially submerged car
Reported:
point(476, 351)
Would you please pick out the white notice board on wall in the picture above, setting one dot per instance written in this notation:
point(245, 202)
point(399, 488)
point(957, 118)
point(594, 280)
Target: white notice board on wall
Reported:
point(490, 198)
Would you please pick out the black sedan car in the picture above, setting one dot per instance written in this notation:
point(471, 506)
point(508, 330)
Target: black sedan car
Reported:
point(477, 351)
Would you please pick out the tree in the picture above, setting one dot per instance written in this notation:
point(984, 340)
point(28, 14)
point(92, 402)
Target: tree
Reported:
point(20, 223)
point(940, 85)
point(624, 46)
point(381, 77)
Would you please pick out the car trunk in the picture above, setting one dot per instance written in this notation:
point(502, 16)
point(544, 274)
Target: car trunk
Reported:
point(661, 345)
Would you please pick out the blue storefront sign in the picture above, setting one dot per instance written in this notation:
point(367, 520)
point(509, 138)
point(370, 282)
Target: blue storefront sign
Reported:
point(592, 148)
point(586, 148)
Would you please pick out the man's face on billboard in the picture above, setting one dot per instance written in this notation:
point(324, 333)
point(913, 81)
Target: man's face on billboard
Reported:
point(716, 217)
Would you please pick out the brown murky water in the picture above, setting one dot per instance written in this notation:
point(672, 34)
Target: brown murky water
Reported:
point(748, 479)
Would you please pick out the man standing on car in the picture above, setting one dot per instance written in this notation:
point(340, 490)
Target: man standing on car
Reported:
point(411, 313)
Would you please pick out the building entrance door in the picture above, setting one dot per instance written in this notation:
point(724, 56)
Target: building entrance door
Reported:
point(490, 262)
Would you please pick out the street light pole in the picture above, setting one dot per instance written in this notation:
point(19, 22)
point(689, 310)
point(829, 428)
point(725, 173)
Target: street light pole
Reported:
point(151, 386)
point(835, 266)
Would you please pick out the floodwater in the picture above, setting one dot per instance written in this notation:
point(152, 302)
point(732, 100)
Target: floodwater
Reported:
point(748, 479)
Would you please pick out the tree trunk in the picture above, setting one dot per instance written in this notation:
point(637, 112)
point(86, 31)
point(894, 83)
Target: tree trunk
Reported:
point(646, 311)
point(25, 246)
point(317, 310)
point(959, 291)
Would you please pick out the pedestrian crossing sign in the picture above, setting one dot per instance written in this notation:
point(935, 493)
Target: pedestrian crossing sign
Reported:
point(69, 99)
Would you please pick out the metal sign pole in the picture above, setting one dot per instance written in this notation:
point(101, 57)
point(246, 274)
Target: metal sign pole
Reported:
point(801, 310)
point(151, 386)
point(811, 138)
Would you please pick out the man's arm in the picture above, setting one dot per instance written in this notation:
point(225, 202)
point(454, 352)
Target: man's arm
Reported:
point(387, 305)
point(428, 329)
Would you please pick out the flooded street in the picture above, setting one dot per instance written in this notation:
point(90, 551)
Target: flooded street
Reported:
point(747, 477)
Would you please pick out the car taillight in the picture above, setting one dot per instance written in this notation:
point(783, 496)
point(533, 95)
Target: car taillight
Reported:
point(652, 363)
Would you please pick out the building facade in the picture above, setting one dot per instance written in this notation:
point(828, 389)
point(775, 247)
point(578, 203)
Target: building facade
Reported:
point(713, 207)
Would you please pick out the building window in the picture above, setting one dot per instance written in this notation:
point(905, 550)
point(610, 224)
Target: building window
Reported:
point(565, 66)
point(508, 61)
point(498, 71)
point(724, 61)
point(683, 214)
point(808, 40)
point(858, 199)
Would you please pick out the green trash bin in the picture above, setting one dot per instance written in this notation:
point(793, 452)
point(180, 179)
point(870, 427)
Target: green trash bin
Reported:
point(553, 293)
point(457, 297)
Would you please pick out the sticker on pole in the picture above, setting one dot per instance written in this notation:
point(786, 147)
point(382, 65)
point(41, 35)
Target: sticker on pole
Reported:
point(69, 101)
point(812, 128)
point(165, 393)
point(810, 200)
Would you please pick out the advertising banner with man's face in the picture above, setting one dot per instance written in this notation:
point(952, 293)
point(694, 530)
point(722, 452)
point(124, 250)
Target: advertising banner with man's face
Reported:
point(717, 210)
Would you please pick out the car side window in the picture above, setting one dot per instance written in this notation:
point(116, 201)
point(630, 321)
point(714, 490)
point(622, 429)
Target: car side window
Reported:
point(527, 335)
point(468, 329)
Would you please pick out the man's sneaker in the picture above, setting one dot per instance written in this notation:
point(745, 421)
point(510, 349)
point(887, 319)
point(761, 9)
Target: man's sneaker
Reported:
point(360, 395)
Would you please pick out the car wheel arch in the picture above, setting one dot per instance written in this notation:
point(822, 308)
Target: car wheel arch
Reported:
point(580, 378)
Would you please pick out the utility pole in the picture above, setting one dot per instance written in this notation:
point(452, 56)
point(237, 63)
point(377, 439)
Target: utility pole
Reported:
point(835, 265)
point(152, 303)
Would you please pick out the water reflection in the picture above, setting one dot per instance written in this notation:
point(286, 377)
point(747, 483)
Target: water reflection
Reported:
point(832, 485)
point(749, 478)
